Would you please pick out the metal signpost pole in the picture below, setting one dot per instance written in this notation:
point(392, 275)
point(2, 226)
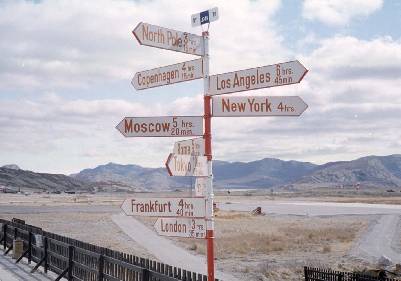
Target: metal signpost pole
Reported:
point(208, 154)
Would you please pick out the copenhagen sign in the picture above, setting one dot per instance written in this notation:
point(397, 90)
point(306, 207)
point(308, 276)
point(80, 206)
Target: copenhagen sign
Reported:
point(181, 227)
point(258, 106)
point(163, 126)
point(180, 72)
point(169, 39)
point(165, 207)
point(257, 78)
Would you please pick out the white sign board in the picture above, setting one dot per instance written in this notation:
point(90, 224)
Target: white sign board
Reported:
point(181, 227)
point(165, 207)
point(205, 17)
point(257, 78)
point(194, 147)
point(170, 74)
point(187, 165)
point(169, 39)
point(163, 126)
point(258, 106)
point(201, 186)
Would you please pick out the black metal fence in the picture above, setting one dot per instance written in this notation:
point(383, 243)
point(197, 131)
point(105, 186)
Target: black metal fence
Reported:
point(76, 260)
point(318, 274)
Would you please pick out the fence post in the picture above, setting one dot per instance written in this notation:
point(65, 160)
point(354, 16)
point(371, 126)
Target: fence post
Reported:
point(29, 247)
point(5, 236)
point(306, 273)
point(70, 262)
point(145, 274)
point(100, 268)
point(46, 256)
point(340, 277)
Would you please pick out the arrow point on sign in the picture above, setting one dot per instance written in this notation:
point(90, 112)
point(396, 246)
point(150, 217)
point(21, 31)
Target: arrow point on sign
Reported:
point(304, 107)
point(119, 127)
point(135, 32)
point(167, 163)
point(305, 71)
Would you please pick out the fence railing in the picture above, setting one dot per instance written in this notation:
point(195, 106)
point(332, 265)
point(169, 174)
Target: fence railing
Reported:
point(76, 260)
point(318, 274)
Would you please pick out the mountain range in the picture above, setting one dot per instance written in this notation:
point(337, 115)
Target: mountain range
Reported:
point(370, 171)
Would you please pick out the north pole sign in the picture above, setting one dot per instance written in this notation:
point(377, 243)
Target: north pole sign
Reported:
point(163, 126)
point(187, 165)
point(181, 227)
point(166, 75)
point(257, 78)
point(242, 106)
point(164, 207)
point(169, 39)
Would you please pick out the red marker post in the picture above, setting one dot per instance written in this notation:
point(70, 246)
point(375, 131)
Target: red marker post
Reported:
point(208, 153)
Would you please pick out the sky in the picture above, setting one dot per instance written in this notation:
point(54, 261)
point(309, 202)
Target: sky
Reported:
point(66, 68)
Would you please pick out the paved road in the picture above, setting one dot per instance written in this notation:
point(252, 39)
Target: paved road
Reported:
point(9, 271)
point(164, 249)
point(312, 208)
point(382, 238)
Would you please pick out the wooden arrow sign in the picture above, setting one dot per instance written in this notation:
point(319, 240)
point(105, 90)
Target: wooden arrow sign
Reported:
point(257, 78)
point(166, 75)
point(162, 126)
point(194, 147)
point(181, 227)
point(169, 39)
point(187, 165)
point(165, 207)
point(230, 106)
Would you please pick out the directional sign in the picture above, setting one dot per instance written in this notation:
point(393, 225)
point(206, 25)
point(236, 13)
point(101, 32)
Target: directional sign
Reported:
point(257, 78)
point(258, 106)
point(201, 186)
point(181, 227)
point(165, 207)
point(194, 147)
point(205, 17)
point(186, 165)
point(169, 39)
point(163, 126)
point(170, 74)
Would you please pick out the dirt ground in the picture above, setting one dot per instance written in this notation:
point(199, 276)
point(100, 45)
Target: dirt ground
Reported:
point(250, 247)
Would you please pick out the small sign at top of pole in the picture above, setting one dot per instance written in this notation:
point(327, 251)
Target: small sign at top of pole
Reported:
point(205, 17)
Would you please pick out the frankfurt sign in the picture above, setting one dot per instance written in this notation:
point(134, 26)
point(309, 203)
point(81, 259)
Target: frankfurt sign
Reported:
point(165, 207)
point(162, 126)
point(257, 78)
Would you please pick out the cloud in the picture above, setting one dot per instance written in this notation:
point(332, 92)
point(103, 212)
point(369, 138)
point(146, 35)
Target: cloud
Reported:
point(69, 44)
point(339, 12)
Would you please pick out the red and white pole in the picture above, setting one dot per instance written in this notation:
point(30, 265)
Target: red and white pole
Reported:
point(208, 153)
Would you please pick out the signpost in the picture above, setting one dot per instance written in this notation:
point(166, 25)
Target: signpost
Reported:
point(194, 217)
point(180, 72)
point(169, 39)
point(205, 17)
point(201, 187)
point(195, 147)
point(258, 106)
point(187, 165)
point(181, 227)
point(164, 207)
point(163, 126)
point(257, 78)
